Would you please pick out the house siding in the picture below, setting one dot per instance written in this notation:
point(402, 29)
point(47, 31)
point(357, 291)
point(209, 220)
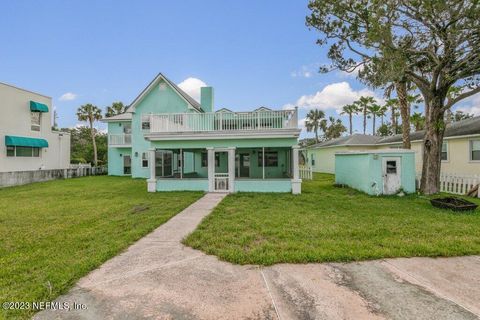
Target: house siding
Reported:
point(16, 121)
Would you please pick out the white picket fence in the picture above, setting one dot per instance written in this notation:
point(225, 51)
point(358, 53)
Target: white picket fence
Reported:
point(305, 172)
point(458, 183)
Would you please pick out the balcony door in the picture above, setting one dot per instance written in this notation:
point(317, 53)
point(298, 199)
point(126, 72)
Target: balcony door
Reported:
point(127, 131)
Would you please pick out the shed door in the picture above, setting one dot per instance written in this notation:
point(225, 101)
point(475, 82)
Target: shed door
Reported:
point(391, 175)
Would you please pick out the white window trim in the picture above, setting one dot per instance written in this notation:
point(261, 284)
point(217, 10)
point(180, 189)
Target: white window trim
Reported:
point(147, 159)
point(470, 150)
point(39, 125)
point(145, 118)
point(15, 153)
point(448, 151)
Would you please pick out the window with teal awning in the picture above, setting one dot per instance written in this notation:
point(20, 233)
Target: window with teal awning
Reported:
point(38, 107)
point(25, 142)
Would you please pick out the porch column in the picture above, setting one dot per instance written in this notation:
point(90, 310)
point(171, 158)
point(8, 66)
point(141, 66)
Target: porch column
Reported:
point(231, 169)
point(152, 181)
point(211, 169)
point(296, 181)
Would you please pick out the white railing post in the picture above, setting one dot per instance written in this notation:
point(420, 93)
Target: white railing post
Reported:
point(231, 169)
point(152, 181)
point(211, 168)
point(296, 181)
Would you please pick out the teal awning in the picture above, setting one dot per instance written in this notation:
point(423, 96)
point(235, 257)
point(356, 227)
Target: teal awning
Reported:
point(25, 142)
point(38, 107)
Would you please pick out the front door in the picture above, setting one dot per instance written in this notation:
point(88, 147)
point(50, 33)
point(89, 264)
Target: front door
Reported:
point(221, 175)
point(391, 175)
point(127, 164)
point(244, 165)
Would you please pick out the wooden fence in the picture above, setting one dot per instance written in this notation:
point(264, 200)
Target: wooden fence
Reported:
point(305, 172)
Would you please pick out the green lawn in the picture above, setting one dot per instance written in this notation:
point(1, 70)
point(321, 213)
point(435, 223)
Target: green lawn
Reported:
point(325, 223)
point(53, 233)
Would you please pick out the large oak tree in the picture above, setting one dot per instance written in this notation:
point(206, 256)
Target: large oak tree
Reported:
point(432, 43)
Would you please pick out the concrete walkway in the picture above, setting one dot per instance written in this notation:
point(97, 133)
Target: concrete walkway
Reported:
point(159, 278)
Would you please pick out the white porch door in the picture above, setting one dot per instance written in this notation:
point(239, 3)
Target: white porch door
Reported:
point(221, 175)
point(391, 175)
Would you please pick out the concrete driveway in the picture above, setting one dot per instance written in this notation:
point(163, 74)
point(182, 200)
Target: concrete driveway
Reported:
point(159, 278)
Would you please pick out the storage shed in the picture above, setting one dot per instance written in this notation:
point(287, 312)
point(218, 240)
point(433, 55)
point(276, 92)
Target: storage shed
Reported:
point(376, 171)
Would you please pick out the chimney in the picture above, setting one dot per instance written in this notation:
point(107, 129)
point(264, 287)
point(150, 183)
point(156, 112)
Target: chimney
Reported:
point(206, 98)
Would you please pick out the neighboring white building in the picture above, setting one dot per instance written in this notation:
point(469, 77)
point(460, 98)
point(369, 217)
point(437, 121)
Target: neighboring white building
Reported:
point(27, 141)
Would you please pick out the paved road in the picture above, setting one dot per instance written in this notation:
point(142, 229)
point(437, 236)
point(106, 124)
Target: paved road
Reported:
point(159, 278)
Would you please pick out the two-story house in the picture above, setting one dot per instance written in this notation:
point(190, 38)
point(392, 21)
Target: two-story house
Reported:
point(176, 143)
point(27, 141)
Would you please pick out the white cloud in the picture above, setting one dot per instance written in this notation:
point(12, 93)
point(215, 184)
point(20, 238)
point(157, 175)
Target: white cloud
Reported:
point(333, 96)
point(472, 105)
point(192, 87)
point(305, 71)
point(69, 96)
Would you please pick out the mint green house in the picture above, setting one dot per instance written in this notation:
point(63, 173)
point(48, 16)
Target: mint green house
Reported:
point(376, 171)
point(177, 143)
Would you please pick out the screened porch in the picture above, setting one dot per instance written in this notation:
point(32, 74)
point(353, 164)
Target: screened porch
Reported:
point(250, 163)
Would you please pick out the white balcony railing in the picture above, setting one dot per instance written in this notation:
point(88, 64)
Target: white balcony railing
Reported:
point(223, 121)
point(120, 139)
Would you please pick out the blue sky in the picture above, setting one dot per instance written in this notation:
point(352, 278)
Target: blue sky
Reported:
point(254, 53)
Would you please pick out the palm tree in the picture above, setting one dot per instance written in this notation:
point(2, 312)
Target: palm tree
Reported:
point(117, 107)
point(363, 103)
point(392, 105)
point(374, 110)
point(313, 121)
point(382, 113)
point(418, 121)
point(350, 109)
point(335, 129)
point(90, 113)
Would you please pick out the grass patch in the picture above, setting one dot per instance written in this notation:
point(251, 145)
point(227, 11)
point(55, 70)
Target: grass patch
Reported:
point(325, 223)
point(53, 233)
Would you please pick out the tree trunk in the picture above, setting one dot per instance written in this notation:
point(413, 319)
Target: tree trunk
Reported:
point(373, 133)
point(316, 135)
point(432, 146)
point(350, 118)
point(364, 120)
point(394, 125)
point(92, 132)
point(402, 94)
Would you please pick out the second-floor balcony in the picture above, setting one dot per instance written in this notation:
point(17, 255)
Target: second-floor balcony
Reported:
point(123, 139)
point(223, 121)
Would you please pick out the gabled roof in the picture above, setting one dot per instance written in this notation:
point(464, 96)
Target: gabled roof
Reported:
point(192, 102)
point(262, 109)
point(353, 140)
point(126, 116)
point(224, 110)
point(456, 129)
point(460, 128)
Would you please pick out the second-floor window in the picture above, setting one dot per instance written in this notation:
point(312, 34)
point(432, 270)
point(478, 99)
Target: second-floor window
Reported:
point(146, 122)
point(35, 120)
